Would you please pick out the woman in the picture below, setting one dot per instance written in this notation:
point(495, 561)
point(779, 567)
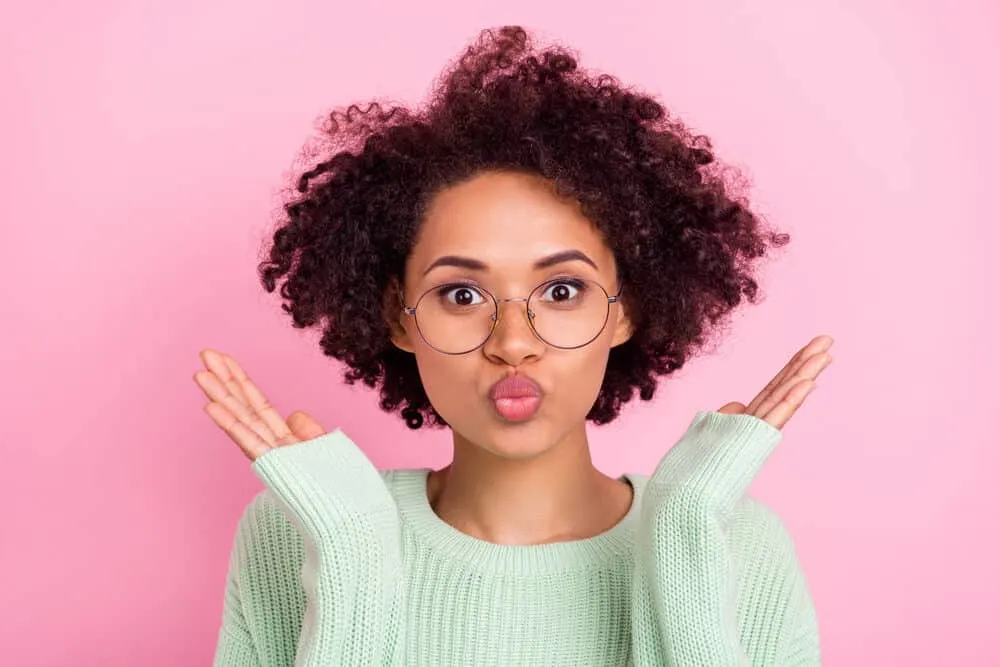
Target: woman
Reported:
point(509, 263)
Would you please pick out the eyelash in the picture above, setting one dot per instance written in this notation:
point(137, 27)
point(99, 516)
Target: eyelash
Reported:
point(441, 290)
point(576, 281)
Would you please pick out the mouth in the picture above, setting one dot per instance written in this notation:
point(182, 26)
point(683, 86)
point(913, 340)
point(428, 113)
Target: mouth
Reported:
point(516, 398)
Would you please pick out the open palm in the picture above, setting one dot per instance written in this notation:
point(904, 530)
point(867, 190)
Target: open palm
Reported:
point(244, 413)
point(785, 393)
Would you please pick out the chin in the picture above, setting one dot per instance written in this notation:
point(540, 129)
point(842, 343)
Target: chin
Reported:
point(515, 441)
point(518, 449)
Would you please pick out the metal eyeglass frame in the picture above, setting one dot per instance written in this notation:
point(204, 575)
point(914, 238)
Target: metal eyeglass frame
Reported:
point(412, 312)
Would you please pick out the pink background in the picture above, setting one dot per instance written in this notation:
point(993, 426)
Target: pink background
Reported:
point(144, 145)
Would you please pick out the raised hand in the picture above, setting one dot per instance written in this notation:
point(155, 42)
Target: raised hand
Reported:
point(785, 393)
point(243, 412)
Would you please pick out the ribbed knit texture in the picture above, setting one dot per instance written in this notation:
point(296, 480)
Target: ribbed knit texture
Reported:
point(337, 563)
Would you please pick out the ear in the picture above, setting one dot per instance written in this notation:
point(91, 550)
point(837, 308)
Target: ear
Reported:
point(623, 328)
point(395, 318)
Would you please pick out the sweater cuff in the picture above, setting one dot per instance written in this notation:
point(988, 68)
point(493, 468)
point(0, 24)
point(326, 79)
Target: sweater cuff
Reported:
point(717, 457)
point(328, 483)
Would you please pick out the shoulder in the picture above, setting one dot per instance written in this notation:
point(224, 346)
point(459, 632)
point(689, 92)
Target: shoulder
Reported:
point(773, 590)
point(265, 521)
point(267, 535)
point(757, 538)
point(757, 531)
point(265, 538)
point(394, 475)
point(263, 516)
point(753, 522)
point(407, 486)
point(265, 569)
point(769, 570)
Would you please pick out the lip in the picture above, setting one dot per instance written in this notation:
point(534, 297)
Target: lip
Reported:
point(516, 398)
point(515, 386)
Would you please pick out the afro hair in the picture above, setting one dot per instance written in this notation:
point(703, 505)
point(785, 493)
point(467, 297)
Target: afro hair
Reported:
point(682, 234)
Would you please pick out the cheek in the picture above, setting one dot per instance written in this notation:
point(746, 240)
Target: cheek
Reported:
point(449, 381)
point(581, 376)
point(580, 373)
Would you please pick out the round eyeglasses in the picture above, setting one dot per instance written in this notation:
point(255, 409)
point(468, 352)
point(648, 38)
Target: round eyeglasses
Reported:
point(566, 313)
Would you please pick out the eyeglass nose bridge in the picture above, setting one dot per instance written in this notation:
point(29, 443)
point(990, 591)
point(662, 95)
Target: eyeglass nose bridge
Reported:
point(519, 299)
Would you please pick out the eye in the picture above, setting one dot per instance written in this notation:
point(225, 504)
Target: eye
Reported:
point(461, 295)
point(563, 290)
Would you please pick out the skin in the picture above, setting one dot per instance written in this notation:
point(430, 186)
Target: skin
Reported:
point(534, 481)
point(509, 483)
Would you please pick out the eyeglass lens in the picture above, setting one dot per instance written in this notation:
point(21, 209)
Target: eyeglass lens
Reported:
point(565, 313)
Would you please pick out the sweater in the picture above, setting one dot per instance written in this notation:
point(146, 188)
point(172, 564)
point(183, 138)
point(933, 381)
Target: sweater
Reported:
point(337, 563)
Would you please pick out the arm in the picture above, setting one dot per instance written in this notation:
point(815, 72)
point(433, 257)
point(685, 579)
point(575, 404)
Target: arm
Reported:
point(264, 602)
point(349, 523)
point(687, 609)
point(798, 641)
point(340, 523)
point(235, 645)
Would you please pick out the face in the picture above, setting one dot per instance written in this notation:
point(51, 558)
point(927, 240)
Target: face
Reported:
point(508, 233)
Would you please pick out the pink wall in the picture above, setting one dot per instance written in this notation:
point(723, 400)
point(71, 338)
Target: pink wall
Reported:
point(143, 147)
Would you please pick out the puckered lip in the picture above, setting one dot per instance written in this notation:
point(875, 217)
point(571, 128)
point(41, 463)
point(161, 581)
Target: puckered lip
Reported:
point(515, 386)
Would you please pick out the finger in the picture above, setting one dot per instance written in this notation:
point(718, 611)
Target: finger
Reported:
point(779, 415)
point(215, 390)
point(236, 370)
point(809, 371)
point(260, 405)
point(817, 344)
point(304, 426)
point(257, 412)
point(218, 364)
point(732, 408)
point(248, 441)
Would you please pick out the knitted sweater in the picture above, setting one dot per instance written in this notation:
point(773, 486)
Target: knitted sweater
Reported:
point(337, 563)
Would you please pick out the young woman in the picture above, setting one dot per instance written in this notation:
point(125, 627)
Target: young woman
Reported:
point(515, 260)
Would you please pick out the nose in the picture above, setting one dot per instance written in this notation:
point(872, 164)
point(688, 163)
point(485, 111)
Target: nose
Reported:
point(513, 341)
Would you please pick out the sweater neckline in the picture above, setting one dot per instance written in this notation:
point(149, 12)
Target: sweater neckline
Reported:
point(433, 532)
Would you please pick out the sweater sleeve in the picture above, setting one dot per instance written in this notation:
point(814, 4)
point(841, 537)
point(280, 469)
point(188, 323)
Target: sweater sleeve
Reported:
point(349, 522)
point(716, 580)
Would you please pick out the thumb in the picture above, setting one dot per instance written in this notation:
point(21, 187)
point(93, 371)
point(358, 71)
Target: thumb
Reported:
point(303, 426)
point(733, 408)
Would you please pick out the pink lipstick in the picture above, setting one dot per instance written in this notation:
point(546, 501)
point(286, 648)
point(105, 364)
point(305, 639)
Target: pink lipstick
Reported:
point(516, 398)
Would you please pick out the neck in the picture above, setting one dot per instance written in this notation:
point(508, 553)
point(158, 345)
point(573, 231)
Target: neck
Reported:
point(553, 497)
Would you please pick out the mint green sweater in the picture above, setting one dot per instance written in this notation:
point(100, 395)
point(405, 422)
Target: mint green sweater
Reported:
point(337, 563)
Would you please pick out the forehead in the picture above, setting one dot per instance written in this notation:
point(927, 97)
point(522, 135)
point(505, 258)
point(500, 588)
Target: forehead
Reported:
point(508, 220)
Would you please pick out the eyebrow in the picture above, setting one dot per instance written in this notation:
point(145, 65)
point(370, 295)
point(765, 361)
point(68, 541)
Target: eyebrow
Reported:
point(543, 263)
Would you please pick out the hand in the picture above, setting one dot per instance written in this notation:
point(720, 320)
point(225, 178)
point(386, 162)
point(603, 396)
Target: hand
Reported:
point(784, 394)
point(242, 411)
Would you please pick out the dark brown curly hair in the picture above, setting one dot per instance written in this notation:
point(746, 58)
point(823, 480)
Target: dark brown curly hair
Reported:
point(685, 244)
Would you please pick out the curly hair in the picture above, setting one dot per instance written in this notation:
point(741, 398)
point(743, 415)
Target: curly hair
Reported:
point(683, 237)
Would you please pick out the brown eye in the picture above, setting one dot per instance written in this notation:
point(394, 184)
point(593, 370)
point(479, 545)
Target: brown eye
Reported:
point(461, 295)
point(564, 290)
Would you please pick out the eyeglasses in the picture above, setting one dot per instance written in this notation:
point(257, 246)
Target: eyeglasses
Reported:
point(566, 313)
